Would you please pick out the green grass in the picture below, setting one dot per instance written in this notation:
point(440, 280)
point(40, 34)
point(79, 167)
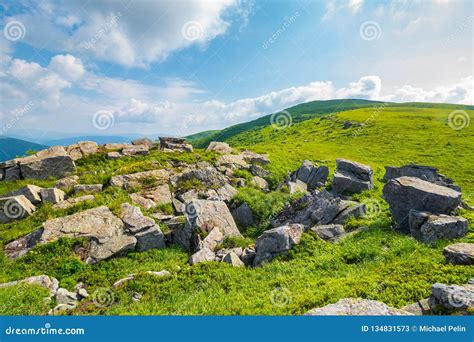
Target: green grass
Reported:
point(377, 263)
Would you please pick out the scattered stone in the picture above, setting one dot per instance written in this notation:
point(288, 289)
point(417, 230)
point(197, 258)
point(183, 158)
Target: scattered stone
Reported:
point(406, 193)
point(330, 232)
point(64, 296)
point(310, 174)
point(225, 193)
point(221, 253)
point(88, 188)
point(67, 183)
point(429, 228)
point(114, 155)
point(419, 308)
point(453, 297)
point(21, 246)
point(142, 201)
point(232, 259)
point(298, 186)
point(240, 182)
point(115, 146)
point(15, 208)
point(243, 216)
point(214, 238)
point(168, 144)
point(31, 192)
point(221, 147)
point(426, 173)
point(357, 307)
point(351, 177)
point(254, 158)
point(188, 196)
point(202, 255)
point(143, 141)
point(160, 195)
point(82, 149)
point(259, 182)
point(179, 206)
point(53, 195)
point(50, 283)
point(208, 176)
point(135, 179)
point(460, 253)
point(162, 273)
point(276, 241)
point(352, 209)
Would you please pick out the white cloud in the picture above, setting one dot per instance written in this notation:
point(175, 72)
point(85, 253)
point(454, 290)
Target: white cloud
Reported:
point(367, 87)
point(334, 6)
point(68, 66)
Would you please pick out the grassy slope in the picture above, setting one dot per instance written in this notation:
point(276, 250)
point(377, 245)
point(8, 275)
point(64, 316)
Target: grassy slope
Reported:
point(377, 264)
point(201, 135)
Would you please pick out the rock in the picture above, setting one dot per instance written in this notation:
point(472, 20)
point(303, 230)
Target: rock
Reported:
point(82, 293)
point(63, 296)
point(106, 232)
point(254, 158)
point(208, 176)
point(311, 175)
point(60, 309)
point(188, 196)
point(221, 147)
point(142, 201)
point(160, 274)
point(70, 202)
point(31, 192)
point(221, 253)
point(202, 255)
point(143, 141)
point(114, 155)
point(210, 242)
point(11, 171)
point(179, 206)
point(357, 307)
point(426, 173)
point(160, 195)
point(135, 179)
point(225, 193)
point(298, 186)
point(144, 229)
point(330, 232)
point(82, 149)
point(233, 260)
point(50, 283)
point(21, 246)
point(429, 228)
point(316, 208)
point(258, 171)
point(248, 256)
point(233, 161)
point(243, 216)
point(53, 195)
point(15, 208)
point(115, 146)
point(276, 241)
point(460, 253)
point(53, 162)
point(259, 182)
point(169, 144)
point(406, 193)
point(453, 297)
point(136, 150)
point(176, 222)
point(67, 183)
point(351, 177)
point(352, 209)
point(240, 182)
point(161, 216)
point(420, 308)
point(88, 188)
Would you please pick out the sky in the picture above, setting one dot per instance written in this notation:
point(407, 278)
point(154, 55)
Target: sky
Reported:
point(181, 67)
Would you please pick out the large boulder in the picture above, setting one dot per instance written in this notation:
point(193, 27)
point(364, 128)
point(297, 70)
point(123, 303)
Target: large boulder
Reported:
point(318, 208)
point(351, 177)
point(221, 147)
point(160, 194)
point(357, 307)
point(460, 253)
point(243, 216)
point(21, 246)
point(429, 228)
point(276, 241)
point(254, 158)
point(207, 176)
point(136, 150)
point(234, 161)
point(406, 193)
point(31, 192)
point(329, 232)
point(169, 144)
point(202, 255)
point(453, 297)
point(312, 175)
point(143, 141)
point(82, 149)
point(15, 208)
point(52, 195)
point(136, 179)
point(53, 162)
point(260, 183)
point(426, 173)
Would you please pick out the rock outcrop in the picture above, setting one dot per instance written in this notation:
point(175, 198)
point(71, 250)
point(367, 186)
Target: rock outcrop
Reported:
point(329, 232)
point(168, 144)
point(53, 162)
point(458, 298)
point(351, 177)
point(426, 173)
point(221, 147)
point(357, 307)
point(136, 179)
point(460, 253)
point(429, 228)
point(312, 175)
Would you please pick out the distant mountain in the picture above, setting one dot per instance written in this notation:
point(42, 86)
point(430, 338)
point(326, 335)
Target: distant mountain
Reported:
point(11, 148)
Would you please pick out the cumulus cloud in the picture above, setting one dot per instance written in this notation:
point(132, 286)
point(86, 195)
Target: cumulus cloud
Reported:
point(128, 33)
point(68, 66)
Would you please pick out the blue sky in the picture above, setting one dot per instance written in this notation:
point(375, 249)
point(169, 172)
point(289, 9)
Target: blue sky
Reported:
point(179, 67)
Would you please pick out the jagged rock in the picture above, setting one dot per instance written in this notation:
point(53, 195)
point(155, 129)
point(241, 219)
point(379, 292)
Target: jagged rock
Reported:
point(316, 208)
point(233, 161)
point(310, 174)
point(429, 228)
point(64, 296)
point(53, 162)
point(351, 177)
point(135, 179)
point(259, 182)
point(143, 141)
point(82, 149)
point(419, 308)
point(160, 195)
point(107, 233)
point(232, 259)
point(243, 216)
point(460, 253)
point(168, 144)
point(220, 147)
point(179, 206)
point(298, 186)
point(352, 209)
point(426, 173)
point(21, 246)
point(211, 241)
point(330, 232)
point(142, 201)
point(221, 253)
point(87, 188)
point(202, 255)
point(115, 146)
point(67, 183)
point(357, 307)
point(114, 155)
point(254, 158)
point(258, 171)
point(136, 150)
point(162, 273)
point(144, 229)
point(70, 202)
point(406, 193)
point(188, 196)
point(453, 297)
point(208, 176)
point(11, 171)
point(31, 192)
point(15, 208)
point(176, 222)
point(248, 256)
point(225, 193)
point(50, 283)
point(52, 195)
point(276, 241)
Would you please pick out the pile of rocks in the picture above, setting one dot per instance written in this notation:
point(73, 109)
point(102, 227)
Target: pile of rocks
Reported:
point(169, 144)
point(138, 147)
point(307, 177)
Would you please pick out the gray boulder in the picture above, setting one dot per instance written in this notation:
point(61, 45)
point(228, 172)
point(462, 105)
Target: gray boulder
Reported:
point(260, 183)
point(202, 255)
point(169, 144)
point(67, 183)
point(426, 173)
point(234, 161)
point(208, 176)
point(82, 149)
point(330, 232)
point(248, 255)
point(357, 307)
point(453, 297)
point(87, 188)
point(70, 202)
point(429, 228)
point(276, 241)
point(52, 195)
point(31, 192)
point(21, 246)
point(136, 179)
point(136, 150)
point(53, 162)
point(460, 253)
point(351, 177)
point(257, 170)
point(221, 147)
point(406, 193)
point(15, 208)
point(312, 175)
point(254, 158)
point(214, 238)
point(243, 216)
point(233, 260)
point(143, 141)
point(50, 283)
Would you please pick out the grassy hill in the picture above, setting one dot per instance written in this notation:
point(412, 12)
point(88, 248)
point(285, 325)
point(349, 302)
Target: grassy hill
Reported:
point(377, 263)
point(201, 135)
point(11, 148)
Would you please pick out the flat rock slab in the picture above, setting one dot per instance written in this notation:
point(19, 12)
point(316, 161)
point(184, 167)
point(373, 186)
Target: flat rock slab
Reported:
point(426, 173)
point(357, 307)
point(460, 253)
point(21, 246)
point(406, 193)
